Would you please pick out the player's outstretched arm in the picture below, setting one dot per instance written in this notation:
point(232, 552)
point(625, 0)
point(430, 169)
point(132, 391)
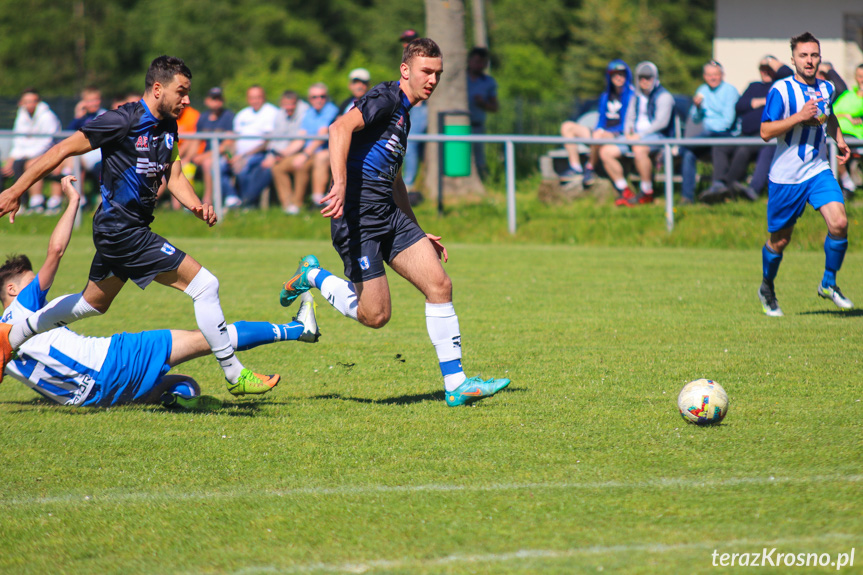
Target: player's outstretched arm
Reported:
point(61, 235)
point(341, 132)
point(182, 189)
point(74, 145)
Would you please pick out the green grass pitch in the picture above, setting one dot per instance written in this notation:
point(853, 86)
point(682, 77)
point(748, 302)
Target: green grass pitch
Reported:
point(355, 464)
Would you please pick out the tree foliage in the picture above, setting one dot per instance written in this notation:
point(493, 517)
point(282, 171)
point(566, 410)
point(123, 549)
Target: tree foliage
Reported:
point(544, 51)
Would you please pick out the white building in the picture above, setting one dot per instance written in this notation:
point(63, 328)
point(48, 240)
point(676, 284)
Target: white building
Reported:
point(747, 30)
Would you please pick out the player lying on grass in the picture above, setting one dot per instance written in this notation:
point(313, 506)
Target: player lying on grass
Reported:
point(138, 153)
point(72, 369)
point(373, 223)
point(101, 371)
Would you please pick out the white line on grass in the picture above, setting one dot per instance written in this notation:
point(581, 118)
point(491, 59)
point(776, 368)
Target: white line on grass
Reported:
point(660, 483)
point(739, 545)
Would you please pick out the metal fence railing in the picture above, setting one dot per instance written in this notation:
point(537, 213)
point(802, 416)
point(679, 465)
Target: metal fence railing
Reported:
point(509, 142)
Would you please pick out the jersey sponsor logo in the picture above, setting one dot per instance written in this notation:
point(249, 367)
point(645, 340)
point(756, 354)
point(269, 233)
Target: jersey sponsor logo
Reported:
point(364, 263)
point(142, 144)
point(170, 250)
point(151, 169)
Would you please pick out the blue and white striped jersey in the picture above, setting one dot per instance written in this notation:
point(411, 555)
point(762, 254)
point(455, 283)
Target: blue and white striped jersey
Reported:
point(59, 364)
point(801, 153)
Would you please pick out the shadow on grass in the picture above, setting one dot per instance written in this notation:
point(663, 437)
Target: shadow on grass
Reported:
point(835, 312)
point(229, 408)
point(401, 399)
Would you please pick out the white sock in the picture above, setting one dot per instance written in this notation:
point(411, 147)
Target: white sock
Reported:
point(57, 313)
point(847, 182)
point(36, 201)
point(620, 184)
point(340, 293)
point(442, 325)
point(576, 167)
point(647, 187)
point(204, 291)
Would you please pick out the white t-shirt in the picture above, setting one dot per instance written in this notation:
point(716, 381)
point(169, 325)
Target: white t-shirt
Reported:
point(248, 122)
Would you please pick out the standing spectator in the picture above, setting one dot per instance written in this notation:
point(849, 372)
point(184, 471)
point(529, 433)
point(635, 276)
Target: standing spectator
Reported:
point(614, 104)
point(358, 84)
point(312, 159)
point(849, 110)
point(419, 114)
point(217, 118)
point(36, 120)
point(257, 119)
point(283, 153)
point(481, 98)
point(730, 163)
point(713, 110)
point(650, 119)
point(87, 108)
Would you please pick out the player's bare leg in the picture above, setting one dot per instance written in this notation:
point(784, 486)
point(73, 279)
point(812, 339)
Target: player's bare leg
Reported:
point(420, 265)
point(203, 287)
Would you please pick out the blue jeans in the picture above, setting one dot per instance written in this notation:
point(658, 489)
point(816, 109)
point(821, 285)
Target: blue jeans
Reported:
point(689, 161)
point(252, 179)
point(410, 167)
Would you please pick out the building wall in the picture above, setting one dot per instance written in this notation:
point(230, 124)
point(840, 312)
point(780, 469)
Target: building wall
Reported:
point(747, 30)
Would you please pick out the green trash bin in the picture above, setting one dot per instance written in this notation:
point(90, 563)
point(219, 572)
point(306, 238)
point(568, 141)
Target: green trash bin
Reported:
point(456, 154)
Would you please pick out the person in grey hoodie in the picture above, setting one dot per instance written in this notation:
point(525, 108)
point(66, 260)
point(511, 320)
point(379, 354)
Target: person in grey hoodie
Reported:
point(651, 118)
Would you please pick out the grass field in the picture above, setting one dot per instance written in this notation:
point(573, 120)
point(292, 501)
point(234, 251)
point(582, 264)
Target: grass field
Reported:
point(355, 464)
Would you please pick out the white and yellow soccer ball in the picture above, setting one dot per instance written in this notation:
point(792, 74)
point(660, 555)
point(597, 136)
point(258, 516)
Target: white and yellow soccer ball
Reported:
point(703, 402)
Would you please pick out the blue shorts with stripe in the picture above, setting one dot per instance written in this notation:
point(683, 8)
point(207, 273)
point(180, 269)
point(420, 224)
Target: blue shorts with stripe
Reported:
point(135, 364)
point(787, 202)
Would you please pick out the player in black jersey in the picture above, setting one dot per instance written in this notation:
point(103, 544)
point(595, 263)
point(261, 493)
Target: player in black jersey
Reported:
point(138, 151)
point(373, 222)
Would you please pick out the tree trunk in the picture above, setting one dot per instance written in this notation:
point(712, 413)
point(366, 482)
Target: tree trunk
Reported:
point(445, 25)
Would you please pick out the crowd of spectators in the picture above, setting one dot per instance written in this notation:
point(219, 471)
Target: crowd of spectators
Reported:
point(634, 113)
point(630, 112)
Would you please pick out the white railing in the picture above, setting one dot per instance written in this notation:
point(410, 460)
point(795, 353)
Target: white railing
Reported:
point(508, 140)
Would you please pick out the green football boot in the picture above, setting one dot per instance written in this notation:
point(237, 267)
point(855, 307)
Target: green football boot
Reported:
point(253, 383)
point(299, 283)
point(474, 389)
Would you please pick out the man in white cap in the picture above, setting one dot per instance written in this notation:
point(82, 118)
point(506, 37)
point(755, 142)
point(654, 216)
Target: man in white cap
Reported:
point(358, 83)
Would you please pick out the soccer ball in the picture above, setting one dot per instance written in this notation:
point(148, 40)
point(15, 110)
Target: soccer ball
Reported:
point(702, 402)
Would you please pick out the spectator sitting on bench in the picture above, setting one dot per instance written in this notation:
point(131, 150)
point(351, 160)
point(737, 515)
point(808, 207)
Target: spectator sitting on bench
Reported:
point(614, 105)
point(652, 120)
point(713, 111)
point(730, 163)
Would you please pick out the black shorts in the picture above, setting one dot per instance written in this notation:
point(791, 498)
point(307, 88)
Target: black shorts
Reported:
point(135, 254)
point(367, 236)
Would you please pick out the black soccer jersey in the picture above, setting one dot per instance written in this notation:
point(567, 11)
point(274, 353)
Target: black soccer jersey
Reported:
point(377, 151)
point(136, 150)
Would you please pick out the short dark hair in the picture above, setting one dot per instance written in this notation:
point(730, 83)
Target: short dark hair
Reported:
point(16, 264)
point(290, 95)
point(421, 47)
point(31, 90)
point(163, 69)
point(480, 51)
point(804, 38)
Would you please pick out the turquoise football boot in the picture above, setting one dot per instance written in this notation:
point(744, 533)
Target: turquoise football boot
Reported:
point(474, 389)
point(299, 283)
